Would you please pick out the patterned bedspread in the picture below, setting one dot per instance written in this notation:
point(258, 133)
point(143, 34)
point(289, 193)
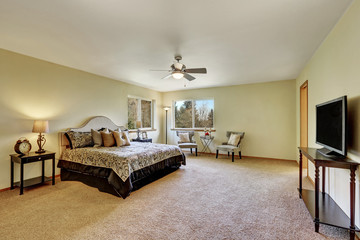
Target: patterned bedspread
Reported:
point(123, 160)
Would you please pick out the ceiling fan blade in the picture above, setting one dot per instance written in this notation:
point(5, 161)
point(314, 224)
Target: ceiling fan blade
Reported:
point(154, 70)
point(196, 70)
point(188, 77)
point(167, 76)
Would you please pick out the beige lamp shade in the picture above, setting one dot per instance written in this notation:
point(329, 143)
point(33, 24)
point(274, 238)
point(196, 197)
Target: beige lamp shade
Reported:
point(138, 124)
point(40, 126)
point(166, 108)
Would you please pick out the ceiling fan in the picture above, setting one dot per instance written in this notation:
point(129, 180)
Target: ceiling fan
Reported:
point(179, 70)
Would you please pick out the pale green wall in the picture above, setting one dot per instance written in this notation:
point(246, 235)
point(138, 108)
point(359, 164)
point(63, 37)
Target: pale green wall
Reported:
point(333, 71)
point(265, 111)
point(34, 89)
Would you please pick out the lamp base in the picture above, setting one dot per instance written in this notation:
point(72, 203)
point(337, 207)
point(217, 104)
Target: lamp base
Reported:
point(41, 142)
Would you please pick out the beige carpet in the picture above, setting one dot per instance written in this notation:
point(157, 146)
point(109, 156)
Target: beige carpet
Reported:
point(207, 199)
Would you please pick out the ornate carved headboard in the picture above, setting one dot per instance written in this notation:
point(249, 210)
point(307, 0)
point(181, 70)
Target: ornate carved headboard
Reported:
point(93, 123)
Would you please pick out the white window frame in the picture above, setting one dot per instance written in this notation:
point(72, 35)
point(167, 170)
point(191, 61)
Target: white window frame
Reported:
point(193, 113)
point(139, 110)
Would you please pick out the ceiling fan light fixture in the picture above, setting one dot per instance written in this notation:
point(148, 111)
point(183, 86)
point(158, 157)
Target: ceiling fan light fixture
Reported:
point(179, 70)
point(177, 75)
point(178, 65)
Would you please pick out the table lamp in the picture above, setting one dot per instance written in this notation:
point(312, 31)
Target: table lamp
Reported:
point(40, 126)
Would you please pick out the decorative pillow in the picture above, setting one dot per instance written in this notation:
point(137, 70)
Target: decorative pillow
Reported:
point(108, 139)
point(79, 139)
point(118, 138)
point(184, 137)
point(96, 135)
point(125, 136)
point(234, 139)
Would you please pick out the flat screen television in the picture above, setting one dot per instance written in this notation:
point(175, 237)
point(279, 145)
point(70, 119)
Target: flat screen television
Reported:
point(331, 127)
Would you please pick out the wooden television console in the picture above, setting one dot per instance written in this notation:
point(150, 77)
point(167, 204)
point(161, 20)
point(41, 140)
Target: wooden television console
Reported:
point(322, 207)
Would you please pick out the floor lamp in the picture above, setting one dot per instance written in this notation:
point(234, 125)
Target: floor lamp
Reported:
point(166, 108)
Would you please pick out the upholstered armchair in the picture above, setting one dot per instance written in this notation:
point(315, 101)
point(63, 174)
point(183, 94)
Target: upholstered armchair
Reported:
point(187, 142)
point(232, 145)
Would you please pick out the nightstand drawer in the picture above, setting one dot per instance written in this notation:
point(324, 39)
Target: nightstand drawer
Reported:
point(37, 158)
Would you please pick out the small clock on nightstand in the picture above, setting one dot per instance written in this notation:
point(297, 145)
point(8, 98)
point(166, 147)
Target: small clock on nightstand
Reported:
point(22, 146)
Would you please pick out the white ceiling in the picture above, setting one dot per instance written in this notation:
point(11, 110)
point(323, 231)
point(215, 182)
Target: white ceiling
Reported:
point(238, 41)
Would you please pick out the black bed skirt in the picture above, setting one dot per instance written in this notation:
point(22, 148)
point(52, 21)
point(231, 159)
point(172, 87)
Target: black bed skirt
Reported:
point(106, 180)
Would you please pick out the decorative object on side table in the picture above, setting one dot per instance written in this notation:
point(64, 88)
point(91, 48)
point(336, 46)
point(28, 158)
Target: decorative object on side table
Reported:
point(40, 126)
point(166, 108)
point(22, 146)
point(144, 135)
point(207, 132)
point(30, 158)
point(138, 126)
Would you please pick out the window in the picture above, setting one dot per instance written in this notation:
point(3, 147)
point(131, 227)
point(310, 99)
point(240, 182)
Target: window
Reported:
point(183, 114)
point(204, 113)
point(194, 113)
point(139, 109)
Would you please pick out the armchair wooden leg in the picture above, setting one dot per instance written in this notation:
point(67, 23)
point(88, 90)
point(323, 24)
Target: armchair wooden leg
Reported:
point(191, 150)
point(196, 151)
point(240, 154)
point(217, 153)
point(232, 156)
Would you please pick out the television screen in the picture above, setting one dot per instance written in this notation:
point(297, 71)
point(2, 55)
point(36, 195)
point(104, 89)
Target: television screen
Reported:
point(331, 125)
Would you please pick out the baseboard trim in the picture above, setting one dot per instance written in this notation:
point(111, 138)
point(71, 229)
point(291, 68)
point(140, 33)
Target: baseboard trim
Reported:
point(56, 176)
point(8, 188)
point(222, 154)
point(281, 159)
point(4, 189)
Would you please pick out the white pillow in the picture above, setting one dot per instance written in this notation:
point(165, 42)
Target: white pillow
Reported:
point(184, 137)
point(118, 138)
point(125, 136)
point(234, 139)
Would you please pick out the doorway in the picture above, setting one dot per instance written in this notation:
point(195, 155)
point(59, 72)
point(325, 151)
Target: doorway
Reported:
point(304, 120)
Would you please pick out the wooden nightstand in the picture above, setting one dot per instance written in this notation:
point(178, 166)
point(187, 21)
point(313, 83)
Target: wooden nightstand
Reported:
point(29, 158)
point(142, 140)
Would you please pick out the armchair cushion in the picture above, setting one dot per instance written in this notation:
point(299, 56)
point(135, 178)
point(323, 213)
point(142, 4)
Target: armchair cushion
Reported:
point(184, 137)
point(187, 145)
point(227, 148)
point(234, 139)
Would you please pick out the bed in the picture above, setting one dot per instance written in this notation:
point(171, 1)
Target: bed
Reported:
point(116, 170)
